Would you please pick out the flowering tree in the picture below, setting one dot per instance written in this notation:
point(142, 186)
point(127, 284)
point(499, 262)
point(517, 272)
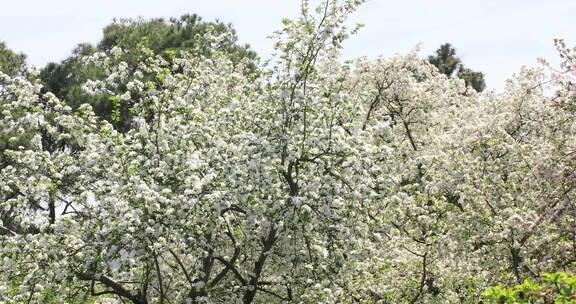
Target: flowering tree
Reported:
point(166, 37)
point(375, 181)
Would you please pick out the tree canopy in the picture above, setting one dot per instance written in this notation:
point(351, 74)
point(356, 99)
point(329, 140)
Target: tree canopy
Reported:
point(448, 64)
point(139, 38)
point(371, 181)
point(11, 63)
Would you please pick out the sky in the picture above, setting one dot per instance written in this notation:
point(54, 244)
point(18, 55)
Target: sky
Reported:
point(496, 37)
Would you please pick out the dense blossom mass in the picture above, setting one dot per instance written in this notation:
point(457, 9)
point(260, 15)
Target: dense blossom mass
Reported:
point(316, 181)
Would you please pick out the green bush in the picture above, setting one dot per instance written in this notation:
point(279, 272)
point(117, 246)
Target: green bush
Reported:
point(550, 288)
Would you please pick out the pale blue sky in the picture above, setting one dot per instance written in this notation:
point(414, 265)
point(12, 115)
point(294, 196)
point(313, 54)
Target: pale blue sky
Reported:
point(493, 36)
